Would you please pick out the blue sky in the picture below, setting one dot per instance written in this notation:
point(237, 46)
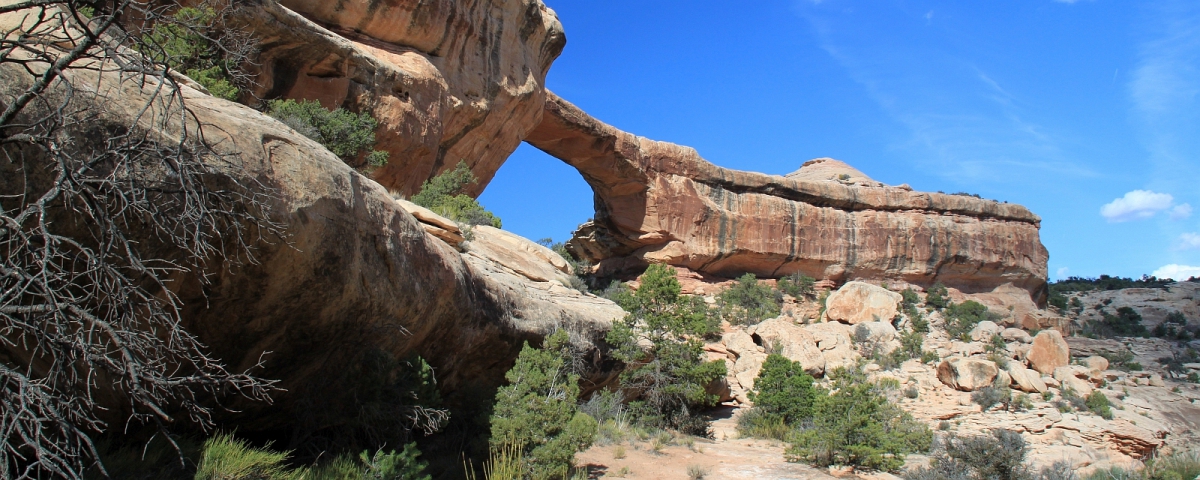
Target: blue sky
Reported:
point(1087, 111)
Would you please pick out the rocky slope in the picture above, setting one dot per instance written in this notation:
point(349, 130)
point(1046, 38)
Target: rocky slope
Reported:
point(658, 202)
point(1151, 409)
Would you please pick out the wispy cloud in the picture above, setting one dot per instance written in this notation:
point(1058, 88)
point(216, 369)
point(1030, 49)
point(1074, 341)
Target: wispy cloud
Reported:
point(1136, 205)
point(964, 124)
point(1180, 212)
point(1164, 89)
point(1061, 273)
point(1188, 241)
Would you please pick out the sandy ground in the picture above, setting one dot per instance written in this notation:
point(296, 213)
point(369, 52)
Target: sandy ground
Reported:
point(724, 457)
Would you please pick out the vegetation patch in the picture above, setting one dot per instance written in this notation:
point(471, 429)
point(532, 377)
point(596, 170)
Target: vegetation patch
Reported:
point(856, 425)
point(747, 302)
point(660, 341)
point(443, 194)
point(537, 413)
point(345, 133)
point(961, 318)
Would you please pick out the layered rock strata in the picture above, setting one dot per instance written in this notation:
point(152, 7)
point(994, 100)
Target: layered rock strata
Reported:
point(447, 80)
point(658, 202)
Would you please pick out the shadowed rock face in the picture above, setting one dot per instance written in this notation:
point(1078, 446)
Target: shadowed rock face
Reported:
point(661, 202)
point(355, 272)
point(448, 80)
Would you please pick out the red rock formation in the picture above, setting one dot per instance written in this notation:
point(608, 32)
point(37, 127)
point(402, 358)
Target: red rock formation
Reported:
point(447, 80)
point(661, 202)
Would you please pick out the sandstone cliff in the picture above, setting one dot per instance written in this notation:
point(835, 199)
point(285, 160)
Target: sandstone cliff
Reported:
point(661, 202)
point(447, 80)
point(354, 271)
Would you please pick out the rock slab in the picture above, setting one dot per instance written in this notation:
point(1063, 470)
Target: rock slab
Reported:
point(1049, 351)
point(858, 302)
point(967, 374)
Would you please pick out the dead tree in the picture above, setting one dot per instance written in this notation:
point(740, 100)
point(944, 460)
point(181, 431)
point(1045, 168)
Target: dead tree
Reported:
point(97, 218)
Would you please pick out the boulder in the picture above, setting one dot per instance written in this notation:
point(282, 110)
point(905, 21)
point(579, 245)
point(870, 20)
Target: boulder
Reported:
point(519, 254)
point(1081, 387)
point(1026, 380)
point(835, 339)
point(660, 202)
point(1048, 352)
point(874, 332)
point(967, 374)
point(1016, 335)
point(984, 331)
point(796, 344)
point(1003, 379)
point(1096, 363)
point(858, 302)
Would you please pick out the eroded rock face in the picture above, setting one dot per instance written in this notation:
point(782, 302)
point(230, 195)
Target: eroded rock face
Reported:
point(447, 80)
point(658, 202)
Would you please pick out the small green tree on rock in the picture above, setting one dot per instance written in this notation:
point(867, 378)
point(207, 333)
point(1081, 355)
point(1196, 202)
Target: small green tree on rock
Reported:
point(537, 412)
point(345, 133)
point(444, 195)
point(857, 425)
point(748, 303)
point(670, 375)
point(785, 390)
point(190, 43)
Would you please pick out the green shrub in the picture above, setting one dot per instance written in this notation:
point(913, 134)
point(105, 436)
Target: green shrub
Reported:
point(929, 356)
point(856, 425)
point(785, 390)
point(444, 195)
point(670, 376)
point(797, 285)
point(1126, 323)
point(343, 132)
point(537, 410)
point(381, 465)
point(228, 458)
point(748, 303)
point(1058, 300)
point(186, 44)
point(961, 318)
point(1098, 404)
point(758, 423)
point(988, 396)
point(999, 456)
point(937, 296)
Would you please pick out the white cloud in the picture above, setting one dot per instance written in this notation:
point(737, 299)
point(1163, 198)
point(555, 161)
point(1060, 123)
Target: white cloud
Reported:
point(1136, 205)
point(1181, 212)
point(1061, 273)
point(1177, 272)
point(1189, 241)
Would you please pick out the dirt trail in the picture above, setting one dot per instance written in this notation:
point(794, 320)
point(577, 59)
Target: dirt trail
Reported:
point(724, 457)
